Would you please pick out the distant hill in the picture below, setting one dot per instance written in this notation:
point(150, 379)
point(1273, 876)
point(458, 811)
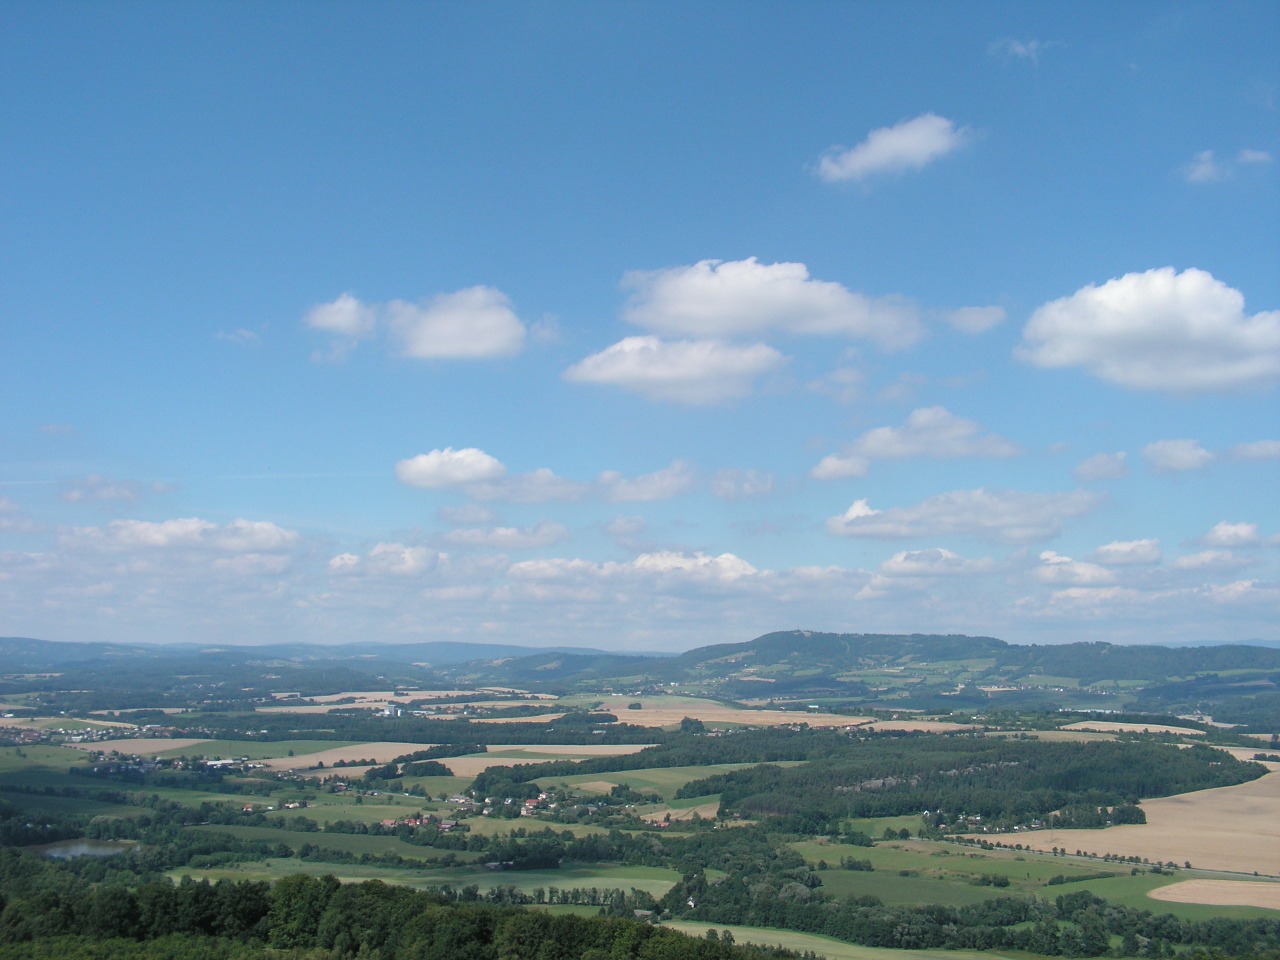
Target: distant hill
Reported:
point(891, 671)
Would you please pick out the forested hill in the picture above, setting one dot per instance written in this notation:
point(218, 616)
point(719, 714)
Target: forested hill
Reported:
point(833, 655)
point(899, 671)
point(919, 671)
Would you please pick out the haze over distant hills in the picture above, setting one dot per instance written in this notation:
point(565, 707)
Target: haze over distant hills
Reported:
point(886, 671)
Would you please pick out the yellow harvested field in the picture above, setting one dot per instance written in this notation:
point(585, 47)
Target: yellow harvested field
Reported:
point(538, 718)
point(379, 695)
point(1108, 726)
point(59, 723)
point(1247, 753)
point(143, 746)
point(920, 726)
point(507, 755)
point(381, 751)
point(1227, 828)
point(707, 811)
point(1222, 893)
point(666, 711)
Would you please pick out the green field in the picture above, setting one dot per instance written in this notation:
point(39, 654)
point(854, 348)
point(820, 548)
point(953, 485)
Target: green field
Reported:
point(355, 843)
point(918, 872)
point(661, 780)
point(654, 880)
point(253, 749)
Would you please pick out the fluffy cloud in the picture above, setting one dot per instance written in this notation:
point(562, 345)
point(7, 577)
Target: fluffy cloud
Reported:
point(1102, 466)
point(1159, 330)
point(660, 485)
point(470, 324)
point(99, 489)
point(932, 432)
point(682, 371)
point(1127, 552)
point(345, 317)
point(1257, 450)
point(745, 298)
point(934, 562)
point(346, 320)
point(510, 538)
point(697, 567)
point(908, 145)
point(400, 560)
point(1211, 560)
point(928, 432)
point(1176, 456)
point(834, 466)
point(1226, 534)
point(474, 323)
point(1205, 167)
point(725, 568)
point(445, 468)
point(737, 484)
point(1055, 568)
point(976, 319)
point(184, 532)
point(1010, 516)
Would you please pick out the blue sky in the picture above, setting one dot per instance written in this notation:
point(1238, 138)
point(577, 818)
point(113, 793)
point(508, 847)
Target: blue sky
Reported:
point(639, 325)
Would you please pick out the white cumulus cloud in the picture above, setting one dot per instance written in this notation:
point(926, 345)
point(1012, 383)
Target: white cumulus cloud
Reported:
point(1010, 516)
point(1257, 450)
point(908, 145)
point(1055, 568)
point(835, 466)
point(1226, 534)
point(346, 320)
point(682, 371)
point(662, 484)
point(1102, 466)
point(400, 560)
point(1209, 560)
point(1158, 330)
point(510, 538)
point(474, 323)
point(932, 432)
point(185, 533)
point(737, 484)
point(742, 298)
point(1127, 552)
point(928, 432)
point(1176, 456)
point(933, 562)
point(345, 317)
point(726, 567)
point(445, 468)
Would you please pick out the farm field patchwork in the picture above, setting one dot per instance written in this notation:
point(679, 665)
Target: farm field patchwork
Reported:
point(1227, 828)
